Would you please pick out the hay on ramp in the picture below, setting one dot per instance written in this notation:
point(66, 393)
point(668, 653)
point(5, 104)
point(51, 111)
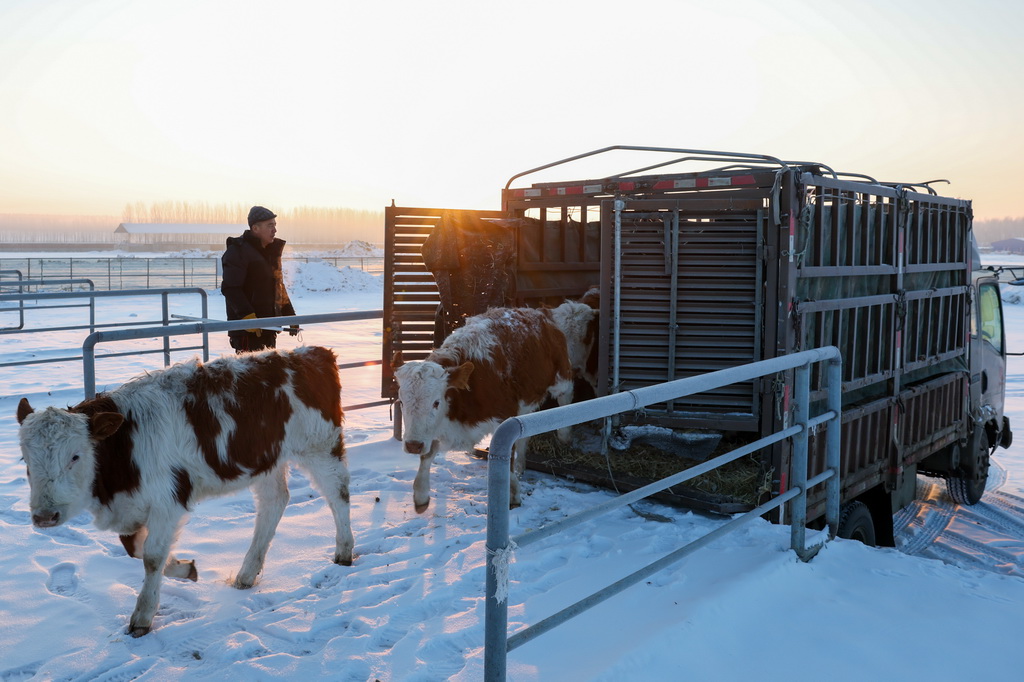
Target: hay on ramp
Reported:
point(742, 481)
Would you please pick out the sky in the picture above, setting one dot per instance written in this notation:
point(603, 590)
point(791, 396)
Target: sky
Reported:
point(410, 608)
point(317, 103)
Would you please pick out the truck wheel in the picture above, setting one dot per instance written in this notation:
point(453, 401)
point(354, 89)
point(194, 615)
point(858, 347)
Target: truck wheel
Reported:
point(970, 486)
point(855, 523)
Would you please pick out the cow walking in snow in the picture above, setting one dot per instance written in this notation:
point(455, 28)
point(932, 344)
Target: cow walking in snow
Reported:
point(144, 454)
point(500, 364)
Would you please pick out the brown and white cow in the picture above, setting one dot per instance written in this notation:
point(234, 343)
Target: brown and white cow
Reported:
point(500, 364)
point(144, 454)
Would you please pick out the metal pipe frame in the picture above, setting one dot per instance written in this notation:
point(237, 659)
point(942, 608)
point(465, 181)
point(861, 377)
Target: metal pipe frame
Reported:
point(22, 283)
point(92, 295)
point(165, 332)
point(497, 644)
point(21, 306)
point(719, 156)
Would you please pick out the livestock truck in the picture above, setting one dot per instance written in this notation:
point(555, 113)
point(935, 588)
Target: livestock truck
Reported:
point(706, 260)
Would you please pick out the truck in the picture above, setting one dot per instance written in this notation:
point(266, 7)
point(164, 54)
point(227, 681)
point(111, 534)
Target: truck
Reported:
point(703, 260)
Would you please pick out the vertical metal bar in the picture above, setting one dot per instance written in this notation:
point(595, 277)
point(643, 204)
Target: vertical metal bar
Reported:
point(671, 224)
point(206, 315)
point(798, 470)
point(21, 304)
point(617, 295)
point(833, 442)
point(89, 366)
point(618, 205)
point(166, 321)
point(388, 332)
point(498, 551)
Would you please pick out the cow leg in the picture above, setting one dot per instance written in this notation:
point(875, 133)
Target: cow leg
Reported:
point(421, 484)
point(175, 568)
point(563, 396)
point(271, 493)
point(332, 479)
point(160, 536)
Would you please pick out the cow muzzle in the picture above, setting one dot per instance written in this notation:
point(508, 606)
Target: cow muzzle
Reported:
point(46, 518)
point(418, 447)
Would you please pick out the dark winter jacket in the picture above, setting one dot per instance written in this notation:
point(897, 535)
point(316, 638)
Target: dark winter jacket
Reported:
point(252, 279)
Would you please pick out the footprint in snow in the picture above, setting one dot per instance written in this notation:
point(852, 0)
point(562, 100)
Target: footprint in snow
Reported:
point(353, 437)
point(63, 580)
point(65, 535)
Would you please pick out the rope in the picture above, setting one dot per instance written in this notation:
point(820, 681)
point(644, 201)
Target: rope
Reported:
point(501, 560)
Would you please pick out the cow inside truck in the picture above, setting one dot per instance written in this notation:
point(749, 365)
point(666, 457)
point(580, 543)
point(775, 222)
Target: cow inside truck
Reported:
point(710, 260)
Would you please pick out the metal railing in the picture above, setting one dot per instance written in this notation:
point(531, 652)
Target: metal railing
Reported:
point(205, 327)
point(18, 276)
point(166, 319)
point(500, 546)
point(22, 284)
point(119, 273)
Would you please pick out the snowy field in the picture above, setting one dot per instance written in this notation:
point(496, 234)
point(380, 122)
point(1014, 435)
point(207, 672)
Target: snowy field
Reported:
point(947, 604)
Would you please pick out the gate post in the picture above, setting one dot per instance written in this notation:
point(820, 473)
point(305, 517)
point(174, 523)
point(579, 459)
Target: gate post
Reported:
point(833, 440)
point(798, 475)
point(498, 550)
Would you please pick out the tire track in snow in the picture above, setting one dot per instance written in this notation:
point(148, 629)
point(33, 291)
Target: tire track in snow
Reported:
point(988, 535)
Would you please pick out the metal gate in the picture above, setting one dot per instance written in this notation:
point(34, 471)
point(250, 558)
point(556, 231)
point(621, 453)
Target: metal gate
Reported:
point(688, 303)
point(411, 295)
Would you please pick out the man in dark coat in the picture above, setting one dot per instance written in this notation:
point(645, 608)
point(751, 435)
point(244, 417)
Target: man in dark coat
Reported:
point(253, 286)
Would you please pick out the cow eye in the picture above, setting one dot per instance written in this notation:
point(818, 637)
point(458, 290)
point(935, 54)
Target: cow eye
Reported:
point(437, 404)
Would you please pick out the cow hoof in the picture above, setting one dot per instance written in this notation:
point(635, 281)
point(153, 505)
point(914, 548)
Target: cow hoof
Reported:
point(342, 562)
point(182, 570)
point(420, 508)
point(138, 630)
point(241, 584)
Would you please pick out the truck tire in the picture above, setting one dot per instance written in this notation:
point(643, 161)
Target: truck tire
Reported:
point(969, 485)
point(855, 523)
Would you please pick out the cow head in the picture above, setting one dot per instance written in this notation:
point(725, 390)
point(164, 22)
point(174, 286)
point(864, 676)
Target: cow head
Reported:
point(58, 447)
point(578, 321)
point(424, 390)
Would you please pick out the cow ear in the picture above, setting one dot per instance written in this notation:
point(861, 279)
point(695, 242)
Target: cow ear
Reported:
point(396, 360)
point(104, 424)
point(459, 376)
point(24, 410)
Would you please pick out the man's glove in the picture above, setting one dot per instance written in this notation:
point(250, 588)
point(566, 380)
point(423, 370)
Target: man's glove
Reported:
point(252, 316)
point(293, 330)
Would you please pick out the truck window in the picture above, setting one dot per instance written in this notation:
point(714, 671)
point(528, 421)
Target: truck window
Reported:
point(991, 315)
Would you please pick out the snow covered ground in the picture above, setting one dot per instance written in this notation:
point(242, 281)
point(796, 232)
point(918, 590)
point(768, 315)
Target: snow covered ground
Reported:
point(947, 604)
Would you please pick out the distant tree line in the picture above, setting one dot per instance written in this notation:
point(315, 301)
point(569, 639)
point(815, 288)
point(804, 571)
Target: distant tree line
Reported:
point(305, 224)
point(988, 231)
point(18, 228)
point(302, 225)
